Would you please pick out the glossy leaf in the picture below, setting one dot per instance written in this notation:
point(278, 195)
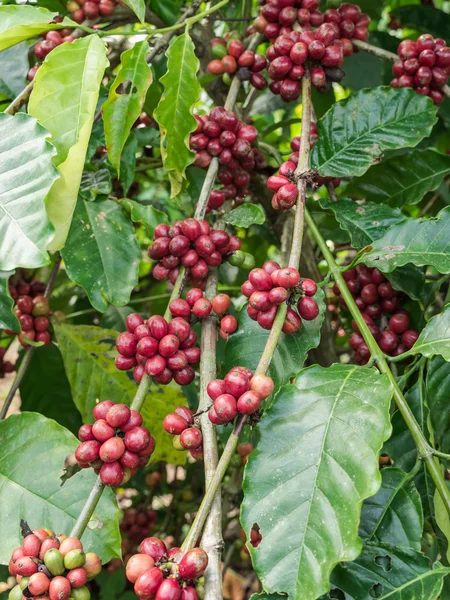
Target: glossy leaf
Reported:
point(403, 179)
point(64, 100)
point(425, 18)
point(145, 214)
point(420, 242)
point(438, 394)
point(26, 175)
point(102, 254)
point(245, 347)
point(315, 463)
point(45, 389)
point(434, 338)
point(88, 354)
point(126, 99)
point(355, 132)
point(21, 22)
point(8, 319)
point(246, 215)
point(32, 456)
point(388, 573)
point(174, 111)
point(394, 514)
point(365, 221)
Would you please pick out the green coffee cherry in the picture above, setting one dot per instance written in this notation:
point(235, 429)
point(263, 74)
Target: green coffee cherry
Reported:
point(176, 443)
point(15, 593)
point(237, 258)
point(54, 561)
point(249, 262)
point(24, 582)
point(74, 559)
point(226, 78)
point(219, 51)
point(236, 461)
point(81, 593)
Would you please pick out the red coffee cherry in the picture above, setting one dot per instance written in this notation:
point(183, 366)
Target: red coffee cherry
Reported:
point(138, 564)
point(228, 324)
point(193, 564)
point(307, 308)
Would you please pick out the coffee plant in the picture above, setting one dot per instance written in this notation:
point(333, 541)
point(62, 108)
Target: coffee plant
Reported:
point(224, 300)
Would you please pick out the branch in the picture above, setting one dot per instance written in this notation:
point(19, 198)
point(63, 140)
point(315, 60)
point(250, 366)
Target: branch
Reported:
point(29, 351)
point(20, 99)
point(425, 451)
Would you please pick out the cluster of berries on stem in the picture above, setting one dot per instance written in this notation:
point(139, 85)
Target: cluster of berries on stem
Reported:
point(240, 392)
point(116, 444)
point(52, 567)
point(47, 43)
point(188, 436)
point(137, 523)
point(221, 134)
point(324, 47)
point(163, 574)
point(190, 243)
point(381, 308)
point(231, 57)
point(90, 9)
point(163, 350)
point(270, 286)
point(32, 310)
point(423, 65)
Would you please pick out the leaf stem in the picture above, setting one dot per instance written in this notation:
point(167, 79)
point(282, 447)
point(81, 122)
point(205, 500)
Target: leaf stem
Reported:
point(425, 451)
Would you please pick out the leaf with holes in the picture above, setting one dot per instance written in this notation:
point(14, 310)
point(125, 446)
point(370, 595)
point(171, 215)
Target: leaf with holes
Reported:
point(26, 176)
point(145, 214)
point(102, 237)
point(420, 242)
point(126, 99)
point(174, 111)
point(246, 215)
point(64, 100)
point(388, 573)
point(32, 456)
point(315, 463)
point(403, 179)
point(245, 347)
point(88, 354)
point(366, 221)
point(355, 132)
point(394, 514)
point(8, 319)
point(438, 393)
point(21, 22)
point(434, 338)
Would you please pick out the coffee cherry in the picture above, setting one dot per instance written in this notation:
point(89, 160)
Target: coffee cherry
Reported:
point(148, 583)
point(409, 338)
point(262, 385)
point(59, 588)
point(249, 402)
point(112, 450)
point(102, 430)
point(118, 415)
point(111, 474)
point(74, 558)
point(388, 341)
point(228, 324)
point(202, 308)
point(307, 308)
point(137, 564)
point(193, 564)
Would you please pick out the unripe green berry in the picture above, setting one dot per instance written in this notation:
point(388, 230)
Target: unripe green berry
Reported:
point(54, 561)
point(74, 559)
point(24, 582)
point(249, 261)
point(176, 443)
point(15, 593)
point(81, 593)
point(237, 258)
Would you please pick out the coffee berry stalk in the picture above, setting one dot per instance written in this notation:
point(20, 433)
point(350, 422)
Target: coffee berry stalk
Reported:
point(116, 444)
point(31, 308)
point(52, 567)
point(187, 436)
point(163, 574)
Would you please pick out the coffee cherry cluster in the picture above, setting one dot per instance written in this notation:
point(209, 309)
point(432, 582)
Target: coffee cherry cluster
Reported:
point(160, 349)
point(49, 41)
point(223, 135)
point(201, 307)
point(137, 523)
point(116, 444)
point(90, 9)
point(270, 286)
point(233, 57)
point(239, 392)
point(165, 574)
point(324, 47)
point(423, 65)
point(52, 567)
point(6, 366)
point(381, 308)
point(193, 244)
point(180, 424)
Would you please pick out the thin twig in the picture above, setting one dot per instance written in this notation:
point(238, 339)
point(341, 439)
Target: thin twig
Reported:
point(20, 99)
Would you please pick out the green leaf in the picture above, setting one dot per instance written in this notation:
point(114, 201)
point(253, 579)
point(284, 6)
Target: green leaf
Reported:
point(46, 390)
point(442, 517)
point(64, 100)
point(403, 179)
point(245, 347)
point(365, 221)
point(246, 215)
point(388, 573)
point(145, 214)
point(8, 319)
point(138, 7)
point(265, 596)
point(355, 132)
point(420, 242)
point(315, 463)
point(168, 10)
point(126, 99)
point(174, 111)
point(88, 354)
point(394, 514)
point(94, 183)
point(438, 394)
point(14, 67)
point(26, 175)
point(425, 18)
point(128, 162)
point(32, 456)
point(434, 338)
point(115, 317)
point(19, 23)
point(102, 238)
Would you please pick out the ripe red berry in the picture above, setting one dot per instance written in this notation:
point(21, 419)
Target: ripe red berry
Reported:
point(307, 308)
point(175, 424)
point(202, 308)
point(409, 338)
point(193, 564)
point(59, 588)
point(111, 474)
point(249, 402)
point(102, 430)
point(388, 341)
point(126, 344)
point(228, 324)
point(148, 583)
point(153, 547)
point(399, 323)
point(137, 564)
point(118, 415)
point(236, 383)
point(191, 438)
point(262, 384)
